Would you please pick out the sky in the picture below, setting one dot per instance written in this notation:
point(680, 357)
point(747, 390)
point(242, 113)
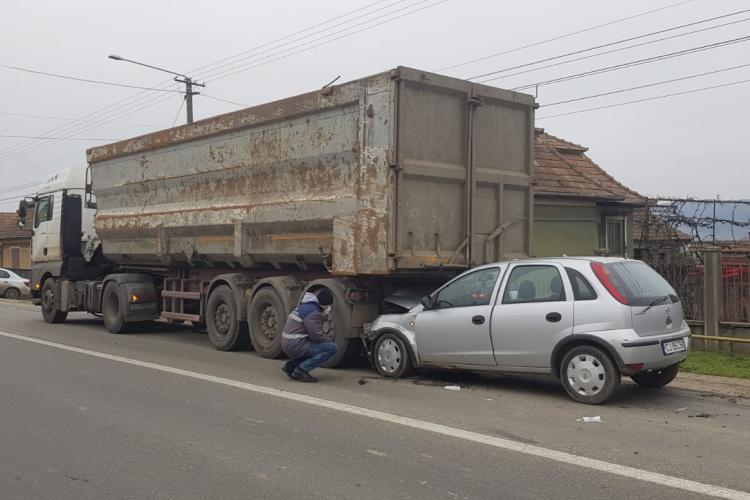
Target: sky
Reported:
point(693, 144)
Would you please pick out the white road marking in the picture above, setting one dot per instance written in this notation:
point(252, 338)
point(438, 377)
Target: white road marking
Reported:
point(422, 425)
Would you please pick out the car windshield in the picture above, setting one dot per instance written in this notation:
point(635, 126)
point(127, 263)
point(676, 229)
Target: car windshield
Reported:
point(640, 284)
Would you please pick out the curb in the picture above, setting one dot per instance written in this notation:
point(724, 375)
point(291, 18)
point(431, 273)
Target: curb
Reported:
point(711, 383)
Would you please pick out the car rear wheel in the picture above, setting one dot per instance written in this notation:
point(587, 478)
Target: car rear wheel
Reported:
point(391, 357)
point(589, 375)
point(12, 294)
point(656, 378)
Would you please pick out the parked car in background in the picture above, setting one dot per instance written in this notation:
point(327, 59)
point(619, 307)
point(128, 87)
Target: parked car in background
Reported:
point(12, 286)
point(585, 320)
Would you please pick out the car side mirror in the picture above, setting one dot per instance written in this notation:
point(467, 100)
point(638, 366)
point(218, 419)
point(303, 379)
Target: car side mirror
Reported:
point(426, 301)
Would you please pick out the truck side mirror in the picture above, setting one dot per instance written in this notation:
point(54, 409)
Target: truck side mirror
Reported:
point(426, 301)
point(23, 208)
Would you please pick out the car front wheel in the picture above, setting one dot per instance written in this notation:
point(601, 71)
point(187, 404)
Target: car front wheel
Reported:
point(589, 375)
point(656, 378)
point(391, 358)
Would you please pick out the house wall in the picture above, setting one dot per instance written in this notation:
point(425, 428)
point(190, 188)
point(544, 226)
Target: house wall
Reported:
point(22, 248)
point(565, 227)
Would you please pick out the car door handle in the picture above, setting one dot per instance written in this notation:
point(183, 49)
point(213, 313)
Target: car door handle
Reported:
point(478, 320)
point(553, 317)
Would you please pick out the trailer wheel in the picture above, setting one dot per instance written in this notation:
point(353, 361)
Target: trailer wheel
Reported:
point(266, 315)
point(50, 312)
point(337, 324)
point(114, 319)
point(226, 331)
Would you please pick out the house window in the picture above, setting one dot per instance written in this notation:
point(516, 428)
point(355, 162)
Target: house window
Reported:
point(615, 236)
point(15, 257)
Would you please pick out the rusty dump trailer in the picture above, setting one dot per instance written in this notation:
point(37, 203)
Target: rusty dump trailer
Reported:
point(385, 182)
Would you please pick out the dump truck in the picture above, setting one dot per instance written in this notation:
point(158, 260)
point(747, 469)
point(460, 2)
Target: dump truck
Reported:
point(392, 183)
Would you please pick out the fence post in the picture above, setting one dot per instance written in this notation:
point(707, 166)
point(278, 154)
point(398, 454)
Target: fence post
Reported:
point(712, 291)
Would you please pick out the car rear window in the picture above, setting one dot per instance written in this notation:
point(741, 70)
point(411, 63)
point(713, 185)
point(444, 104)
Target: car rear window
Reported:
point(640, 284)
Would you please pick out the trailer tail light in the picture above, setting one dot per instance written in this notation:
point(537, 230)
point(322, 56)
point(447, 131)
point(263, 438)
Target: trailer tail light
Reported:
point(361, 296)
point(38, 286)
point(604, 276)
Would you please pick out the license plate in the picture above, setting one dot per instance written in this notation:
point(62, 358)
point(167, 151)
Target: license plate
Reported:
point(673, 346)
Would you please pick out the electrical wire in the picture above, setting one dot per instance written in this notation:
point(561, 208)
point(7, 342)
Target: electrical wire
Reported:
point(624, 40)
point(23, 147)
point(612, 51)
point(87, 80)
point(664, 96)
point(648, 85)
point(250, 65)
point(566, 35)
point(179, 110)
point(638, 62)
point(19, 187)
point(61, 118)
point(225, 100)
point(55, 138)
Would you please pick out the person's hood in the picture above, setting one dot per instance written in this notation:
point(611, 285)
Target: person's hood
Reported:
point(309, 298)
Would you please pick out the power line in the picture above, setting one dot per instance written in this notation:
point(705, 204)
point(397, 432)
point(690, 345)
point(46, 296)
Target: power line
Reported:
point(27, 146)
point(55, 138)
point(567, 35)
point(664, 96)
point(247, 66)
point(61, 118)
point(638, 62)
point(65, 77)
point(179, 110)
point(688, 77)
point(19, 187)
point(225, 100)
point(609, 44)
point(237, 57)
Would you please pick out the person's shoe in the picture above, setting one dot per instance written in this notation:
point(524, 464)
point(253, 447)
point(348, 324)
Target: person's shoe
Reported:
point(289, 368)
point(303, 376)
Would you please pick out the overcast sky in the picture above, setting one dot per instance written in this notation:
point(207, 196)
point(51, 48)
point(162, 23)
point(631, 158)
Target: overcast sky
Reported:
point(689, 145)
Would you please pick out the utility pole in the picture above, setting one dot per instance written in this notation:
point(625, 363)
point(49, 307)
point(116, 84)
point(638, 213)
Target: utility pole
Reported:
point(179, 77)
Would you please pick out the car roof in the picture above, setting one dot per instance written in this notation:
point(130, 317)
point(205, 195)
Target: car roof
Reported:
point(555, 260)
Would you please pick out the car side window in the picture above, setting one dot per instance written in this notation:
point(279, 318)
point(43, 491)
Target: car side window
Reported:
point(474, 289)
point(4, 274)
point(43, 211)
point(582, 289)
point(535, 283)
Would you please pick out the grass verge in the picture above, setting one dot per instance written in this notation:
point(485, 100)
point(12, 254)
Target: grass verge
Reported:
point(715, 363)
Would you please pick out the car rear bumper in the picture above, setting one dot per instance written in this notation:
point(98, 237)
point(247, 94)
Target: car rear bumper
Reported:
point(649, 351)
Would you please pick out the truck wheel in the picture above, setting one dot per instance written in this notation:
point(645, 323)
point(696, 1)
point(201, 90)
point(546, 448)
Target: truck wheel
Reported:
point(338, 323)
point(114, 319)
point(589, 375)
point(391, 357)
point(12, 294)
point(50, 312)
point(656, 378)
point(266, 315)
point(226, 331)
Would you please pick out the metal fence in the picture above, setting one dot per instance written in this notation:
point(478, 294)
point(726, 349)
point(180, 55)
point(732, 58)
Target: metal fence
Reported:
point(735, 277)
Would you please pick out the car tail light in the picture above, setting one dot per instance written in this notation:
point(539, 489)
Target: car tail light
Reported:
point(603, 274)
point(26, 282)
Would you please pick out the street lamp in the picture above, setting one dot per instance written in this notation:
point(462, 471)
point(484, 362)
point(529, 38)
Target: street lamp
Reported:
point(179, 77)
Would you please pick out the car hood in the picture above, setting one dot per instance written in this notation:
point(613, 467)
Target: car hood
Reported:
point(405, 299)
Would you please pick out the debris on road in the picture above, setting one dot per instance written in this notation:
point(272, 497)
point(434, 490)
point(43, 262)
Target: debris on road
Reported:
point(590, 419)
point(452, 387)
point(678, 410)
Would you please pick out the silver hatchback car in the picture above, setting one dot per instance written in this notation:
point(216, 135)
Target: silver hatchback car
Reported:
point(585, 320)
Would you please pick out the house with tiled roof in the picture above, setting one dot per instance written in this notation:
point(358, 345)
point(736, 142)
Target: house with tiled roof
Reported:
point(15, 245)
point(579, 209)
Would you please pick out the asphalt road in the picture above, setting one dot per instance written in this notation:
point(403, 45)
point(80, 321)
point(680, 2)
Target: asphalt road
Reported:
point(161, 414)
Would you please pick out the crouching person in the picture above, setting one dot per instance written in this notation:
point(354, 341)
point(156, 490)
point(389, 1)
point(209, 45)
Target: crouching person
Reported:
point(303, 339)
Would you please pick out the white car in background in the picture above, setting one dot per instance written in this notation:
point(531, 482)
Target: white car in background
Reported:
point(12, 286)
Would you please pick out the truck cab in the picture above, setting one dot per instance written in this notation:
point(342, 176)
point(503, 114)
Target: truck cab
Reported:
point(63, 238)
